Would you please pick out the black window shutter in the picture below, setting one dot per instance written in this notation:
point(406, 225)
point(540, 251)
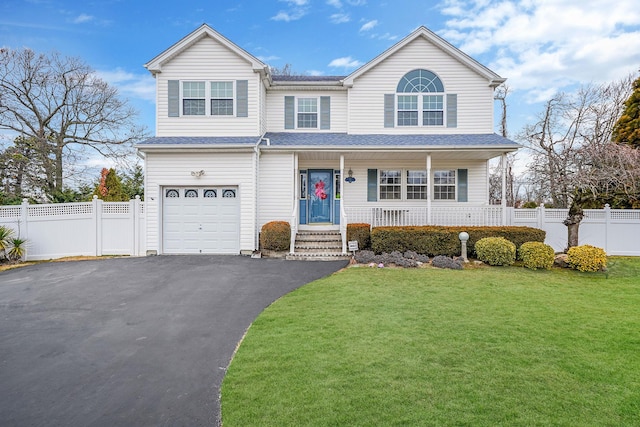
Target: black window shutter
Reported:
point(173, 93)
point(372, 185)
point(289, 112)
point(462, 185)
point(242, 98)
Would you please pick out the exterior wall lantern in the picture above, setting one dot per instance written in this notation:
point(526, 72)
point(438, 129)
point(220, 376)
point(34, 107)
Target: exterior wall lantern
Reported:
point(464, 237)
point(350, 178)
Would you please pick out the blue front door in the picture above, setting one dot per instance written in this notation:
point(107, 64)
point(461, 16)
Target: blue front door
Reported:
point(320, 195)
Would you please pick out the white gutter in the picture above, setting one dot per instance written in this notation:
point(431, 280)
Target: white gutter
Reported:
point(256, 177)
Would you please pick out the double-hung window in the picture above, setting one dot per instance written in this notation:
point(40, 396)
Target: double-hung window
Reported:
point(390, 185)
point(444, 185)
point(222, 98)
point(193, 98)
point(432, 110)
point(308, 113)
point(417, 185)
point(407, 110)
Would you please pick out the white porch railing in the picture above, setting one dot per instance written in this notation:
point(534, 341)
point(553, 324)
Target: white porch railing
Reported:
point(399, 216)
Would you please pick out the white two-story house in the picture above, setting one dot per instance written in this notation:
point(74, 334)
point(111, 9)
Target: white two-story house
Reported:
point(403, 140)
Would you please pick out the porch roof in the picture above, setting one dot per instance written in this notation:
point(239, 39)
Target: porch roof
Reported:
point(315, 140)
point(198, 142)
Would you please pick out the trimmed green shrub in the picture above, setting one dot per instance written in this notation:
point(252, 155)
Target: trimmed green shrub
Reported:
point(437, 240)
point(496, 251)
point(587, 258)
point(275, 236)
point(536, 255)
point(360, 232)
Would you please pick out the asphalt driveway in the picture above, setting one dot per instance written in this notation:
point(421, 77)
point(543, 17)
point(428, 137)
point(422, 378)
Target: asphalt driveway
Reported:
point(131, 341)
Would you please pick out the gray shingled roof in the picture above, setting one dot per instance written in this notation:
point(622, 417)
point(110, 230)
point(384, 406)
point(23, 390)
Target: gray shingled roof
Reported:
point(201, 140)
point(309, 139)
point(282, 139)
point(283, 78)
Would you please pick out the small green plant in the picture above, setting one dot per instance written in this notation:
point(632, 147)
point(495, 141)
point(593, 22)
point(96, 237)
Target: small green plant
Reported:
point(5, 237)
point(275, 236)
point(587, 258)
point(496, 251)
point(17, 249)
point(536, 255)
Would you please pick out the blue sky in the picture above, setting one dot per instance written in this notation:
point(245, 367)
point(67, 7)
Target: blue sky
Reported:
point(541, 46)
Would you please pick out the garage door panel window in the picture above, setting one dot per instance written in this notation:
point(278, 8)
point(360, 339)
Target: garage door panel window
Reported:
point(229, 194)
point(172, 193)
point(191, 193)
point(210, 193)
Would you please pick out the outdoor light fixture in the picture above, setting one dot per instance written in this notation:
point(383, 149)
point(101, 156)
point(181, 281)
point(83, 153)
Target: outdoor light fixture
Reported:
point(464, 237)
point(197, 174)
point(350, 178)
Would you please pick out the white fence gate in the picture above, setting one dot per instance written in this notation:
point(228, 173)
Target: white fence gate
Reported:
point(93, 228)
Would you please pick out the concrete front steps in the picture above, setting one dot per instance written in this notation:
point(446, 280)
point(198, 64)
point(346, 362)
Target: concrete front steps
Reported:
point(318, 246)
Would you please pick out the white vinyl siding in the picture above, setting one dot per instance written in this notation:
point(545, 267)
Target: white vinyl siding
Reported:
point(275, 187)
point(474, 96)
point(208, 61)
point(275, 110)
point(165, 170)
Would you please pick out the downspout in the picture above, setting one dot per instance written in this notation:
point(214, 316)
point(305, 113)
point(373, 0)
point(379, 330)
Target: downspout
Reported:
point(256, 231)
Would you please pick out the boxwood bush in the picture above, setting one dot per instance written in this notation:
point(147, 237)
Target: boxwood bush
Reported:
point(438, 240)
point(536, 255)
point(360, 232)
point(587, 258)
point(275, 236)
point(496, 251)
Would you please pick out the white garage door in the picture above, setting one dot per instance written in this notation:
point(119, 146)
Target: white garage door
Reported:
point(200, 220)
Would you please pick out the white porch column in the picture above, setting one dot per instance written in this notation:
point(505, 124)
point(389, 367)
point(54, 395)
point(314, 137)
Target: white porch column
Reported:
point(294, 215)
point(343, 216)
point(503, 202)
point(428, 188)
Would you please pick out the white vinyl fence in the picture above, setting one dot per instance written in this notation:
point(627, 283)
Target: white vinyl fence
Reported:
point(93, 228)
point(617, 231)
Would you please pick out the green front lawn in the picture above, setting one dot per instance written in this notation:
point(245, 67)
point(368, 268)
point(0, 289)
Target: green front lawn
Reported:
point(479, 347)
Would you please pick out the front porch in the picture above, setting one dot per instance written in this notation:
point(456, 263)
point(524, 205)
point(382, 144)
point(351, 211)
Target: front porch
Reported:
point(390, 188)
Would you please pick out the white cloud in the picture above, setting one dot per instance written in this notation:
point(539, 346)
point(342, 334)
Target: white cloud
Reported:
point(141, 86)
point(335, 3)
point(357, 2)
point(292, 15)
point(315, 72)
point(340, 18)
point(82, 18)
point(369, 25)
point(345, 62)
point(544, 47)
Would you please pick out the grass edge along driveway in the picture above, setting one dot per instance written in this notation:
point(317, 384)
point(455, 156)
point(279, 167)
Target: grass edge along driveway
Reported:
point(491, 346)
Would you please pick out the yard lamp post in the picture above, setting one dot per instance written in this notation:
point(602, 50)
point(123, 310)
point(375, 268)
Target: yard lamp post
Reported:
point(464, 236)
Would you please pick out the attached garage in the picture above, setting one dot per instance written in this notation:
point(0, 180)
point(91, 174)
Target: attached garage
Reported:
point(200, 220)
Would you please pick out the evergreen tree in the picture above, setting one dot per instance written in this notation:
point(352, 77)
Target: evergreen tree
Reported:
point(627, 129)
point(110, 188)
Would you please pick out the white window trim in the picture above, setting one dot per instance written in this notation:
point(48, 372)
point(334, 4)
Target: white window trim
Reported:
point(404, 183)
point(208, 97)
point(317, 113)
point(455, 185)
point(421, 110)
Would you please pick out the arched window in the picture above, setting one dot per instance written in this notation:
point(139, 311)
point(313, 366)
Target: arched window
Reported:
point(420, 110)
